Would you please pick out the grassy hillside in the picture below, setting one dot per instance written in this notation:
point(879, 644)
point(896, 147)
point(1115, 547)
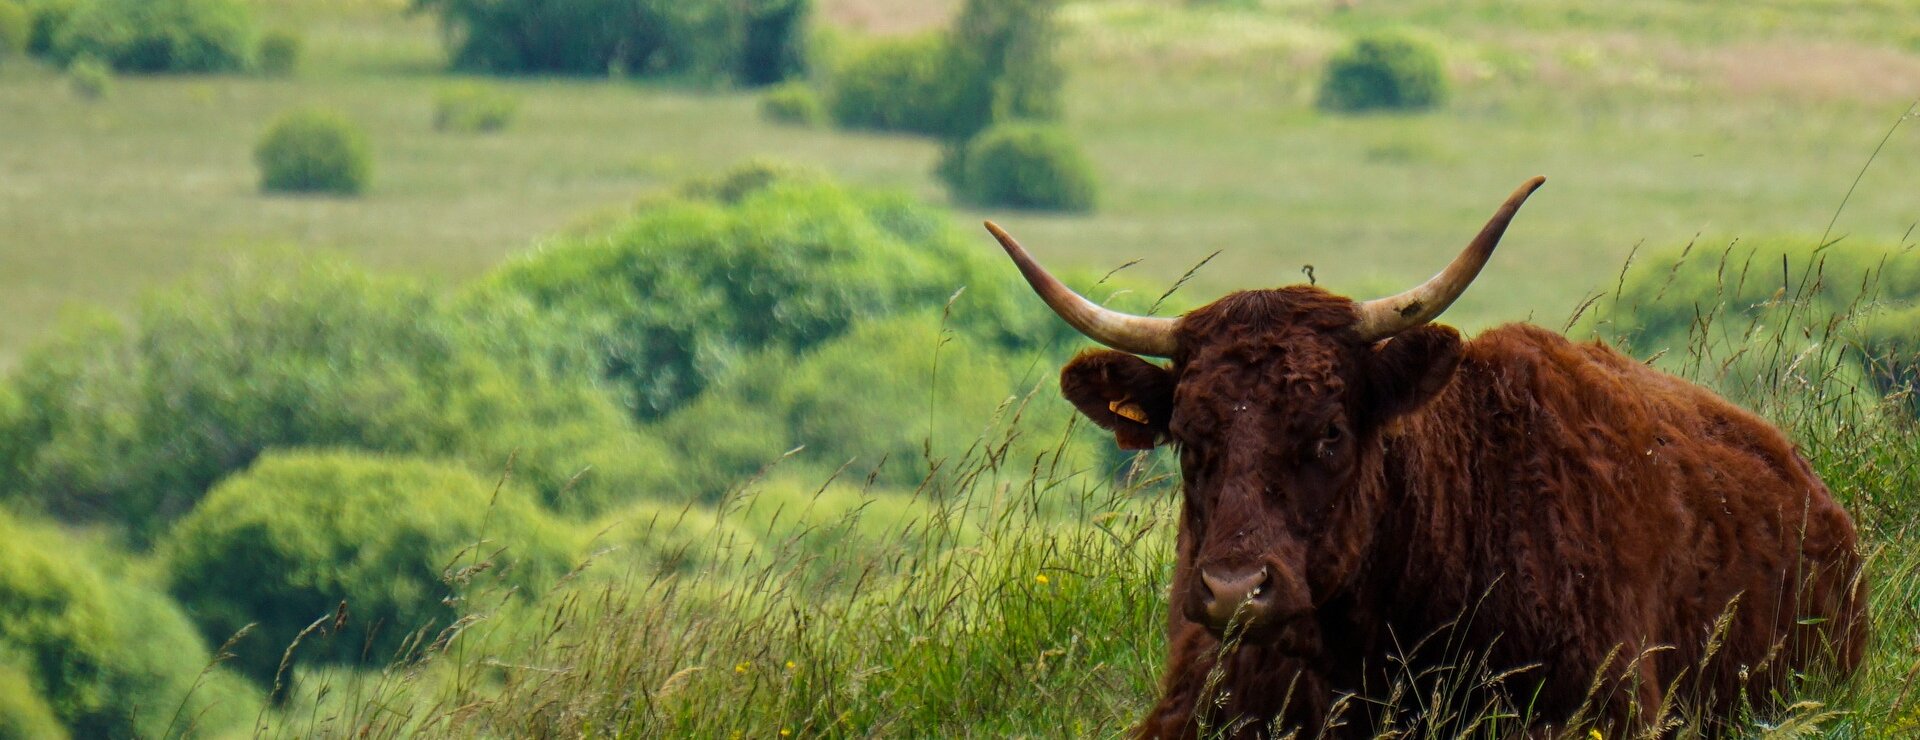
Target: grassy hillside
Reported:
point(1653, 120)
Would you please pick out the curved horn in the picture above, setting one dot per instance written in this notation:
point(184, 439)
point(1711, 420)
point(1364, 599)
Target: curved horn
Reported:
point(1384, 317)
point(1140, 335)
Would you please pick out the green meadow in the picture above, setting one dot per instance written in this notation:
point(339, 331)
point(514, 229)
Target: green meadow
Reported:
point(647, 416)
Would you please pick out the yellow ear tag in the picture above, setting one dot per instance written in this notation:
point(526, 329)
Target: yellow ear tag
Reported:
point(1129, 410)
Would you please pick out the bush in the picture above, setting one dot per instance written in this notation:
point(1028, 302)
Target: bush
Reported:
point(113, 659)
point(313, 151)
point(656, 539)
point(685, 292)
point(406, 544)
point(1004, 65)
point(279, 52)
point(157, 35)
point(896, 84)
point(750, 43)
point(473, 108)
point(1024, 165)
point(1709, 306)
point(90, 78)
point(1384, 71)
point(793, 103)
point(130, 423)
point(873, 399)
point(997, 63)
point(48, 16)
point(16, 29)
point(23, 714)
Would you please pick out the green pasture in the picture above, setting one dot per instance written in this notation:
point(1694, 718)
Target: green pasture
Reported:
point(1654, 122)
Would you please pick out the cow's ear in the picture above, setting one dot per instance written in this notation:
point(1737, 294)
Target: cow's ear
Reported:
point(1408, 370)
point(1122, 393)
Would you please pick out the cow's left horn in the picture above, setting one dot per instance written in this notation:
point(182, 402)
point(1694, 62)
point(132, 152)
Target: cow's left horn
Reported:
point(1384, 317)
point(1140, 335)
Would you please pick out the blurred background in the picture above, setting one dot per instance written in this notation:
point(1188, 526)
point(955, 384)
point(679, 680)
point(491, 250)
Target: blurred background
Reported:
point(620, 367)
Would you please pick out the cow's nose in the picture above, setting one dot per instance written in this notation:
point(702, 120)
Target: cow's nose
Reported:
point(1249, 593)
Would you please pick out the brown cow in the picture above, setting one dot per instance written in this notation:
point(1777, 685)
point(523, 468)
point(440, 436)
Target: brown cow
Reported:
point(1359, 482)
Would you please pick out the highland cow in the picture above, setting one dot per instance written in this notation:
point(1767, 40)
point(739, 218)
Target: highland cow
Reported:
point(1369, 498)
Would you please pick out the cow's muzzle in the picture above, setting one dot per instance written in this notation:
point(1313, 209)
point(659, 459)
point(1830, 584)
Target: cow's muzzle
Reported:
point(1238, 598)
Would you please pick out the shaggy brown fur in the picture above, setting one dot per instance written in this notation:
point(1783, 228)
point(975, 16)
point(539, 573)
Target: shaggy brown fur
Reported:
point(1518, 499)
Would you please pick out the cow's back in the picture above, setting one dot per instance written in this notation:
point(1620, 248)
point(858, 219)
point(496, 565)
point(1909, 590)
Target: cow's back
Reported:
point(1577, 502)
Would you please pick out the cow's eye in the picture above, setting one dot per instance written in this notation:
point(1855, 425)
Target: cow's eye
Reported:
point(1329, 441)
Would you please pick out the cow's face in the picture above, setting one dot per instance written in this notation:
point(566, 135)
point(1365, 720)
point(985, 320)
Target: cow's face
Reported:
point(1275, 405)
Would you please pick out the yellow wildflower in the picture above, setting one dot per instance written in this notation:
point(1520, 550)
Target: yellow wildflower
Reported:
point(1040, 579)
point(785, 732)
point(1595, 734)
point(791, 665)
point(740, 668)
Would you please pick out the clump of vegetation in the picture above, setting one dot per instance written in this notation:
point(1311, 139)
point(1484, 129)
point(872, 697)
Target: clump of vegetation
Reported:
point(1384, 71)
point(279, 52)
point(47, 16)
point(402, 545)
point(130, 423)
point(922, 398)
point(156, 35)
point(997, 63)
point(90, 78)
point(314, 151)
point(113, 658)
point(687, 291)
point(895, 84)
point(793, 103)
point(1857, 298)
point(16, 29)
point(1005, 64)
point(1024, 165)
point(474, 108)
point(23, 713)
point(753, 43)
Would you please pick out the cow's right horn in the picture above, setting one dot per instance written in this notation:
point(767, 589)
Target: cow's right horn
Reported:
point(1384, 317)
point(1140, 335)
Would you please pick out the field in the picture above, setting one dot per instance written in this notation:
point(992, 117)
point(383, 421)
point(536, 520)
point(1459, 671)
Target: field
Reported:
point(582, 446)
point(1654, 122)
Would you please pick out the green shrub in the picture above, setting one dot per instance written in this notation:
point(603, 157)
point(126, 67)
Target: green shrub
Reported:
point(112, 658)
point(872, 399)
point(23, 714)
point(750, 43)
point(314, 151)
point(157, 35)
point(1004, 65)
point(279, 52)
point(473, 108)
point(1025, 165)
point(16, 29)
point(131, 422)
point(1712, 306)
point(683, 293)
point(1384, 71)
point(90, 78)
point(793, 103)
point(896, 84)
point(405, 543)
point(654, 539)
point(48, 16)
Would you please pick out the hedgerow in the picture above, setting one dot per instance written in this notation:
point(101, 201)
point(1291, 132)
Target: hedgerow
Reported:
point(752, 43)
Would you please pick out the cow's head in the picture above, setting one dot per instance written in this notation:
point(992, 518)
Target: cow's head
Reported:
point(1276, 400)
